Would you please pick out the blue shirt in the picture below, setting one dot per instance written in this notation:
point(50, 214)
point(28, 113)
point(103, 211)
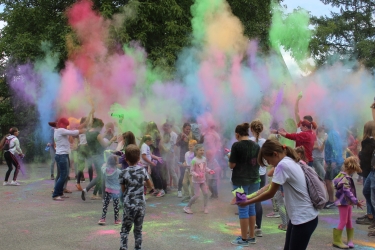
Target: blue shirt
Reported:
point(333, 149)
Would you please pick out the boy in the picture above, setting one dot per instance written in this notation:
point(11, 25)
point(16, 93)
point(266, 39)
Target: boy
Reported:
point(132, 180)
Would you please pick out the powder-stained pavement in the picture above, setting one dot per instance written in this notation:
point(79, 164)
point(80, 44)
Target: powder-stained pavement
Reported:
point(30, 219)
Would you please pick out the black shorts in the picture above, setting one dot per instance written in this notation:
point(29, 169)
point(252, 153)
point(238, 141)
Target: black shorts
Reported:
point(331, 173)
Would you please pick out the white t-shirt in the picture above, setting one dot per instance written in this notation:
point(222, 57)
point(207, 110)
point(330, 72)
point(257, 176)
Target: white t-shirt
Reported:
point(261, 141)
point(145, 149)
point(61, 137)
point(297, 200)
point(14, 145)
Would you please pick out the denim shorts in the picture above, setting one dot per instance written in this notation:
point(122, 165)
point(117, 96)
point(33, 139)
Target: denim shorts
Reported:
point(246, 212)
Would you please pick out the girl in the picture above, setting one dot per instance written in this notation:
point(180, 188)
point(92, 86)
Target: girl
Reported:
point(301, 154)
point(146, 162)
point(198, 171)
point(346, 197)
point(11, 146)
point(188, 181)
point(303, 215)
point(243, 161)
point(256, 128)
point(112, 188)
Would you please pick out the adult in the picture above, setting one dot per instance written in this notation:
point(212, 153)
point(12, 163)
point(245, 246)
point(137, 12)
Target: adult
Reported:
point(11, 146)
point(303, 216)
point(61, 136)
point(245, 174)
point(52, 152)
point(333, 158)
point(318, 152)
point(183, 142)
point(305, 138)
point(96, 146)
point(256, 128)
point(167, 146)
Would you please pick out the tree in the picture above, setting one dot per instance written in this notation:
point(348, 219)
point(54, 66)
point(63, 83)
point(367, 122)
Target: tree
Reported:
point(350, 33)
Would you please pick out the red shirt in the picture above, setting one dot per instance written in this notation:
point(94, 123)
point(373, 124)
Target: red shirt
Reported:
point(305, 139)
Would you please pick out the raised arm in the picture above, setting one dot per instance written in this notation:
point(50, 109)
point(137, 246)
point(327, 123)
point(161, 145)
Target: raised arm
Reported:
point(296, 108)
point(88, 121)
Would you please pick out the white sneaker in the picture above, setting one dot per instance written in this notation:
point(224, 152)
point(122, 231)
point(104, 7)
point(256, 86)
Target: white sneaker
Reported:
point(14, 183)
point(179, 194)
point(5, 183)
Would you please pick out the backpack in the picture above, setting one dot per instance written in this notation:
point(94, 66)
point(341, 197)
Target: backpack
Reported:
point(315, 187)
point(6, 146)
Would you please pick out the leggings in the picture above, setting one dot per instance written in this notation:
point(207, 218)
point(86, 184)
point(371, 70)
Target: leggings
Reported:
point(279, 200)
point(156, 176)
point(11, 160)
point(345, 217)
point(298, 236)
point(116, 208)
point(181, 179)
point(203, 187)
point(258, 205)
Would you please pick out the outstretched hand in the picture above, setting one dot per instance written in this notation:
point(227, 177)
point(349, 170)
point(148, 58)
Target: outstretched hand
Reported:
point(360, 204)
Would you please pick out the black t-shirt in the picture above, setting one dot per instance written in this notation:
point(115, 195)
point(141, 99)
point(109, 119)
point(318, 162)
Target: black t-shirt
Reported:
point(95, 148)
point(244, 154)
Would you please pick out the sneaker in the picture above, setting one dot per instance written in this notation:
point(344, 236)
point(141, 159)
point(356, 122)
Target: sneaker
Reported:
point(251, 240)
point(205, 210)
point(5, 183)
point(329, 204)
point(14, 183)
point(155, 193)
point(179, 194)
point(79, 188)
point(188, 210)
point(101, 222)
point(52, 177)
point(83, 194)
point(118, 222)
point(258, 233)
point(160, 194)
point(240, 242)
point(273, 215)
point(364, 220)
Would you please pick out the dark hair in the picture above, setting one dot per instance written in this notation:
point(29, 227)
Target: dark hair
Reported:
point(243, 129)
point(97, 123)
point(132, 154)
point(186, 124)
point(112, 161)
point(257, 128)
point(271, 146)
point(129, 138)
point(308, 117)
point(301, 153)
point(13, 130)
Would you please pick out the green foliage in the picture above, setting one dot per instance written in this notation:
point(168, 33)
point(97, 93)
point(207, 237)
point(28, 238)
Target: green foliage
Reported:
point(349, 33)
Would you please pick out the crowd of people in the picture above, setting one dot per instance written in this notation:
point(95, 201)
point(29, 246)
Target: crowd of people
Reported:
point(189, 161)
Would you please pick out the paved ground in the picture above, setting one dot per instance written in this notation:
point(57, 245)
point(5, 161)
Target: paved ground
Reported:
point(30, 219)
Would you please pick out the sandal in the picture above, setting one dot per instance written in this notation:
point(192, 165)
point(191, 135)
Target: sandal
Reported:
point(282, 227)
point(57, 198)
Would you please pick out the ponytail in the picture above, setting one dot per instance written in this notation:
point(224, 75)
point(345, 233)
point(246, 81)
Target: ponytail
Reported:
point(271, 146)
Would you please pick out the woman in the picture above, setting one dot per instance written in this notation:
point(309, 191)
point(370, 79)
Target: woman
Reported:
point(305, 138)
point(288, 173)
point(11, 146)
point(96, 146)
point(243, 162)
point(183, 142)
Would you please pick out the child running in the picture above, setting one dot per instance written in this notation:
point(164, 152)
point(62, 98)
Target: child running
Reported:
point(188, 180)
point(112, 188)
point(131, 180)
point(198, 170)
point(346, 197)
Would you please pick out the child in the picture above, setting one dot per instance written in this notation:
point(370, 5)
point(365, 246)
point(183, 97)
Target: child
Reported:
point(188, 180)
point(112, 188)
point(212, 178)
point(132, 180)
point(346, 197)
point(146, 162)
point(302, 154)
point(198, 171)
